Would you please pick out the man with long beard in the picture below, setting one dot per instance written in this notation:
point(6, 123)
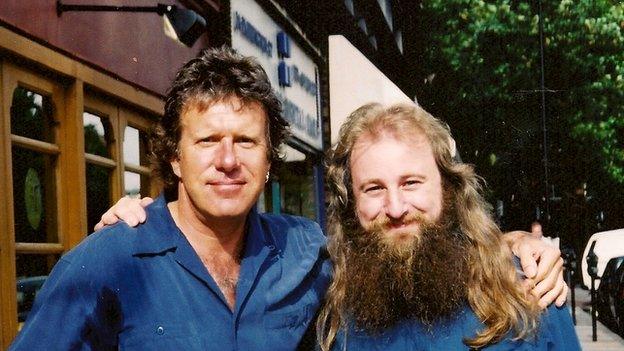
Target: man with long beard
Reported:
point(419, 263)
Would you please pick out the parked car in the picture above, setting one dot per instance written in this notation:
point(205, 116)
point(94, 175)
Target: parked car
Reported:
point(27, 289)
point(608, 293)
point(608, 245)
point(619, 300)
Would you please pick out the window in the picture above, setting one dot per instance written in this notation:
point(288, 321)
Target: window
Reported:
point(386, 9)
point(34, 159)
point(69, 153)
point(100, 164)
point(34, 155)
point(349, 6)
point(296, 185)
point(137, 175)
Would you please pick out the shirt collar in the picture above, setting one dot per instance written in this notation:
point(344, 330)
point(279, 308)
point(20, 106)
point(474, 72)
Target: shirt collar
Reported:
point(257, 237)
point(159, 233)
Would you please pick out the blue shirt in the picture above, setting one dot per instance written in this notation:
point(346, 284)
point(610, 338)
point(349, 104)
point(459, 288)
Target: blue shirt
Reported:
point(145, 288)
point(556, 333)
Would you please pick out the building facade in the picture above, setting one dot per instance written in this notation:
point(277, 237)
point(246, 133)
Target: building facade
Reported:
point(80, 90)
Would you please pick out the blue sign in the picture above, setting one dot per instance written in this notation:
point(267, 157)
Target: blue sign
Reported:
point(253, 35)
point(283, 45)
point(306, 83)
point(283, 74)
point(292, 72)
point(295, 116)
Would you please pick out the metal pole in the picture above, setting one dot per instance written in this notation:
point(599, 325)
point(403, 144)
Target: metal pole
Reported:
point(568, 277)
point(593, 309)
point(543, 108)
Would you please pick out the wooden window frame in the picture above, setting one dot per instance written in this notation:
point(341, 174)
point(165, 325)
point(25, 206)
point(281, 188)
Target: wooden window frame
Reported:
point(12, 78)
point(131, 118)
point(70, 98)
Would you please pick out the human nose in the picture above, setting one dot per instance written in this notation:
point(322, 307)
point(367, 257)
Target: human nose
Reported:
point(226, 160)
point(395, 206)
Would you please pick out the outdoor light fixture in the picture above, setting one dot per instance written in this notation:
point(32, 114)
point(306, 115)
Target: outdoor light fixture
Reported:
point(183, 24)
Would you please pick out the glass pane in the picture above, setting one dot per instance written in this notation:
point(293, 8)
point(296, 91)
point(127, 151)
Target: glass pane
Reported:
point(31, 115)
point(135, 146)
point(32, 270)
point(34, 196)
point(96, 134)
point(98, 193)
point(132, 184)
point(297, 189)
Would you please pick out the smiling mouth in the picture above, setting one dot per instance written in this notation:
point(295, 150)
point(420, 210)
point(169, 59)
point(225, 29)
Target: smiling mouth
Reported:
point(226, 187)
point(401, 225)
point(227, 184)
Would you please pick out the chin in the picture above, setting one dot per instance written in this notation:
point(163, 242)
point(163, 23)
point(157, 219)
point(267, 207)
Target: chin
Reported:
point(401, 240)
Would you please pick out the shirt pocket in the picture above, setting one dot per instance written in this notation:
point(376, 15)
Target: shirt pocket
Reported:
point(293, 317)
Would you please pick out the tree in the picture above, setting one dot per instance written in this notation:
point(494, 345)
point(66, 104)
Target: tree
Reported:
point(482, 63)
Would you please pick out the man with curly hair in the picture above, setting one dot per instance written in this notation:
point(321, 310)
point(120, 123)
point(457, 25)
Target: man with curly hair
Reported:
point(206, 272)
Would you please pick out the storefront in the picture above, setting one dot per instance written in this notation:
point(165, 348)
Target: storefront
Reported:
point(292, 64)
point(78, 93)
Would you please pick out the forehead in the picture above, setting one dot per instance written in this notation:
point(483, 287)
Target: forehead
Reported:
point(225, 113)
point(387, 156)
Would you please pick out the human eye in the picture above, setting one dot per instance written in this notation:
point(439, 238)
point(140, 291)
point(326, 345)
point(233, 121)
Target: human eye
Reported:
point(208, 141)
point(246, 142)
point(412, 183)
point(372, 189)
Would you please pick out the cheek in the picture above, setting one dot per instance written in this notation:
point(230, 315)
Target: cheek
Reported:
point(367, 210)
point(430, 203)
point(255, 165)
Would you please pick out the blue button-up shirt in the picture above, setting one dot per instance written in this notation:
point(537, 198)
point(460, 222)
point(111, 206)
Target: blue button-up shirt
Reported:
point(145, 288)
point(555, 333)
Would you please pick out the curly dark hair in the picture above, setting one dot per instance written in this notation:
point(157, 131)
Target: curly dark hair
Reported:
point(215, 74)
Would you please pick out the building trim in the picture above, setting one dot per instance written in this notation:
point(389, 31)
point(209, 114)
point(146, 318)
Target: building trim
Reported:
point(19, 46)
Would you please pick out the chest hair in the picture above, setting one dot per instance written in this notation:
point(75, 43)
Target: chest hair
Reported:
point(225, 270)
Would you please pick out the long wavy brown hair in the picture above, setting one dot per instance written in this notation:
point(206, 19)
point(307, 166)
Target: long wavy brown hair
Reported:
point(494, 292)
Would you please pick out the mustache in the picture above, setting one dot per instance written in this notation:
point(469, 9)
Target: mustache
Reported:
point(382, 222)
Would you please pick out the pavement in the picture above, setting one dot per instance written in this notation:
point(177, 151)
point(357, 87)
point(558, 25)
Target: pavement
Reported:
point(606, 339)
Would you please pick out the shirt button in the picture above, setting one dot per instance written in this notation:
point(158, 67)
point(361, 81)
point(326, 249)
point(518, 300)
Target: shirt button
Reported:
point(160, 330)
point(272, 247)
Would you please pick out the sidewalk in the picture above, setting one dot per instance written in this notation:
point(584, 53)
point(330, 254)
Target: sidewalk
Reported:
point(607, 340)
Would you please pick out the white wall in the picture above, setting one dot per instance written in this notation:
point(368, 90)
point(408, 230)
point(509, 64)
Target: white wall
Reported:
point(355, 81)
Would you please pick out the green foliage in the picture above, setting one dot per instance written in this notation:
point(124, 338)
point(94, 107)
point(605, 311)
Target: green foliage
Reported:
point(487, 54)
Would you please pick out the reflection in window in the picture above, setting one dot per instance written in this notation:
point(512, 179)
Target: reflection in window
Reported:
point(96, 135)
point(350, 8)
point(32, 271)
point(34, 200)
point(97, 139)
point(31, 115)
point(297, 185)
point(386, 9)
point(132, 184)
point(98, 193)
point(136, 176)
point(135, 146)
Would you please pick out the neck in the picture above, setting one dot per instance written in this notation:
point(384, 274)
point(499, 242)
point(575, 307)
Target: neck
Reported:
point(208, 234)
point(218, 243)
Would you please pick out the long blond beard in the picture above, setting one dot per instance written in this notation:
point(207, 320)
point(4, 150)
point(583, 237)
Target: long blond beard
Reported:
point(420, 275)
